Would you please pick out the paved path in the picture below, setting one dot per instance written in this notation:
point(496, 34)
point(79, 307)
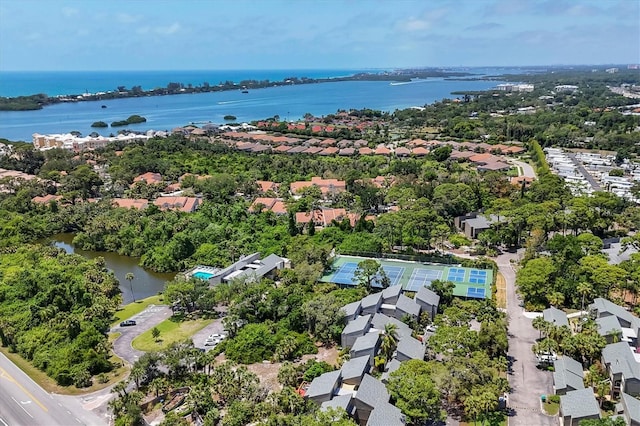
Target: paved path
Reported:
point(526, 168)
point(145, 320)
point(594, 184)
point(24, 402)
point(526, 381)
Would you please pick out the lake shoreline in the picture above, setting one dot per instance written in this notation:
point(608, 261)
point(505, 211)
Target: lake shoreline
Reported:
point(39, 101)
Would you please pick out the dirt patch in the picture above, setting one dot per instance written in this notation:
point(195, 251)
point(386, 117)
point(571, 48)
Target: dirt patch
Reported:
point(268, 371)
point(501, 291)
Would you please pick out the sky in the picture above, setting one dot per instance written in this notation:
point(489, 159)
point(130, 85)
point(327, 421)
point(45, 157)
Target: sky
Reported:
point(314, 34)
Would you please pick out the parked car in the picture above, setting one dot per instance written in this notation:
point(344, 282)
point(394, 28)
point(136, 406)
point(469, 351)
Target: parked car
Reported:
point(546, 357)
point(214, 339)
point(127, 323)
point(432, 328)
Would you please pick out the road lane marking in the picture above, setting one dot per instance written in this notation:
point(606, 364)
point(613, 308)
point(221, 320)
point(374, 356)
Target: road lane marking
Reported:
point(3, 422)
point(7, 376)
point(23, 409)
point(78, 420)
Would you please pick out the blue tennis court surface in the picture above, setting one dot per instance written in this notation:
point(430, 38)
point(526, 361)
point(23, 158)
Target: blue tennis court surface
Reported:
point(476, 292)
point(456, 275)
point(345, 275)
point(478, 276)
point(412, 276)
point(422, 277)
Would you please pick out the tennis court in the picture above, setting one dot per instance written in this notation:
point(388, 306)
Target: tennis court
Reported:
point(469, 282)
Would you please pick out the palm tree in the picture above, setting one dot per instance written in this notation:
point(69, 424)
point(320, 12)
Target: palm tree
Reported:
point(129, 277)
point(584, 288)
point(541, 325)
point(390, 340)
point(137, 374)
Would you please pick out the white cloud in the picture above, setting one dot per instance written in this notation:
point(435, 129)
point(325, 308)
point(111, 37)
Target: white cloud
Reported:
point(164, 30)
point(125, 18)
point(428, 20)
point(70, 12)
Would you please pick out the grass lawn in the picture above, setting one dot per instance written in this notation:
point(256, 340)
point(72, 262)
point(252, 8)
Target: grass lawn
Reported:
point(136, 307)
point(170, 331)
point(48, 384)
point(551, 408)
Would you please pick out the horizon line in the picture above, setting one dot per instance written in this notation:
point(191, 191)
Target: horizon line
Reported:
point(327, 68)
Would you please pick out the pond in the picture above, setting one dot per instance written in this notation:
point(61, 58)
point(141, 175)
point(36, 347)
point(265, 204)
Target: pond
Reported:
point(144, 284)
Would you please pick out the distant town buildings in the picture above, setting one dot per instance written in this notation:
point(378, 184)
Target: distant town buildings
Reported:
point(81, 143)
point(510, 87)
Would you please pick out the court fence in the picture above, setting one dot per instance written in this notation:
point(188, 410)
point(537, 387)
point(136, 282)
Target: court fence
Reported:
point(418, 257)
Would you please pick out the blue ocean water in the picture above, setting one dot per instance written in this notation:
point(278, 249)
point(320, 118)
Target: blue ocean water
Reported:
point(167, 112)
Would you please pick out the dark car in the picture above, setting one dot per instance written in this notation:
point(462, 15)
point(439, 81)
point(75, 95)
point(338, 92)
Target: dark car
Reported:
point(127, 323)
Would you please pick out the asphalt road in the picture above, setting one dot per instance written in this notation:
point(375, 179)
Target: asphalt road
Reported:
point(24, 403)
point(526, 381)
point(527, 169)
point(145, 320)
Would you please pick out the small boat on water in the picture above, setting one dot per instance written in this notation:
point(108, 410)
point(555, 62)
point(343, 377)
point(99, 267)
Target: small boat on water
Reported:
point(103, 106)
point(245, 91)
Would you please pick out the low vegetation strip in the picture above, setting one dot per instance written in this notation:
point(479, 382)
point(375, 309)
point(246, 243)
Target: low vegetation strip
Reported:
point(171, 330)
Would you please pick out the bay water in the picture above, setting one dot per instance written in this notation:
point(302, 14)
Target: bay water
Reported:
point(167, 112)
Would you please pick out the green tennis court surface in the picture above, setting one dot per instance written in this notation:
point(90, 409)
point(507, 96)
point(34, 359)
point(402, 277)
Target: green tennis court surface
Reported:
point(469, 282)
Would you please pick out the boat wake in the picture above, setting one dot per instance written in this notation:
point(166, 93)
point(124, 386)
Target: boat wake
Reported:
point(402, 83)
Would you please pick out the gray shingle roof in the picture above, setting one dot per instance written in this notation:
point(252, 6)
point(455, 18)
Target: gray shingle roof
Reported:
point(604, 306)
point(351, 310)
point(360, 324)
point(366, 342)
point(568, 373)
point(391, 292)
point(620, 360)
point(340, 401)
point(579, 404)
point(380, 320)
point(392, 366)
point(323, 384)
point(427, 296)
point(607, 325)
point(372, 300)
point(372, 392)
point(355, 367)
point(555, 316)
point(386, 415)
point(411, 348)
point(632, 407)
point(408, 305)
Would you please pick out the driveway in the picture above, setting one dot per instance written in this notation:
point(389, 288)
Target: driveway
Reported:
point(526, 381)
point(145, 320)
point(214, 328)
point(526, 168)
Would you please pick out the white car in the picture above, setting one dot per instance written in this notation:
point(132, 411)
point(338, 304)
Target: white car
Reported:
point(546, 357)
point(214, 339)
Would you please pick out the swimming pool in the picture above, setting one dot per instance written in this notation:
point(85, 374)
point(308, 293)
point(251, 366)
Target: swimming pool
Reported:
point(202, 275)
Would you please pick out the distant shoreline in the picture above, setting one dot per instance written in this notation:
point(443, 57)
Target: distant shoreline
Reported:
point(39, 101)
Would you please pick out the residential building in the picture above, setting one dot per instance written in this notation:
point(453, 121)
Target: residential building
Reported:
point(371, 394)
point(354, 369)
point(323, 387)
point(184, 204)
point(248, 268)
point(367, 345)
point(340, 401)
point(327, 186)
point(354, 329)
point(386, 414)
point(578, 405)
point(130, 203)
point(622, 368)
point(631, 409)
point(275, 205)
point(473, 224)
point(352, 310)
point(149, 178)
point(428, 301)
point(568, 375)
point(409, 348)
point(406, 307)
point(555, 316)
